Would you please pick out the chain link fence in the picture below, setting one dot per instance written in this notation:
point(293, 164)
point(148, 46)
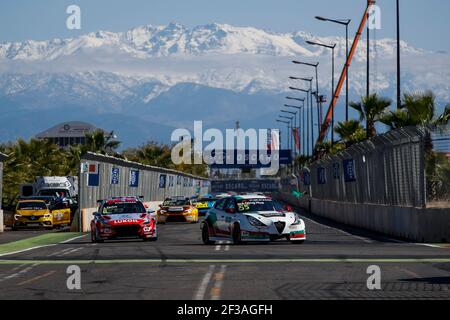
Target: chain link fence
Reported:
point(388, 169)
point(438, 167)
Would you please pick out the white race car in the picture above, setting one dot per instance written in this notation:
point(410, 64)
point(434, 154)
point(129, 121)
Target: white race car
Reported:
point(244, 218)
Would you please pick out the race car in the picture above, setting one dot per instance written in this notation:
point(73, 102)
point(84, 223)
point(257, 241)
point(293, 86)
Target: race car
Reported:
point(40, 211)
point(246, 218)
point(204, 203)
point(122, 218)
point(177, 209)
point(32, 213)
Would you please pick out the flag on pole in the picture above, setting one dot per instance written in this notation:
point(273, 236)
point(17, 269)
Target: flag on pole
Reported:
point(296, 134)
point(275, 140)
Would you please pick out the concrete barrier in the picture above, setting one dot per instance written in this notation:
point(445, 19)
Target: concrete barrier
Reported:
point(113, 177)
point(414, 224)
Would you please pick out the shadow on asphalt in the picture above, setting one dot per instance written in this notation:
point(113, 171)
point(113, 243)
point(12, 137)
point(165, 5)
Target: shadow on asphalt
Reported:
point(433, 280)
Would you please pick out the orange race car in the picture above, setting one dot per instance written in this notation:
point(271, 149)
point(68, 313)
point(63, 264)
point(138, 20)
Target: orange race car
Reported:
point(177, 209)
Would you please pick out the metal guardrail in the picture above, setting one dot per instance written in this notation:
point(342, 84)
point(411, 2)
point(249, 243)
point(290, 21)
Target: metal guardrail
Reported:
point(388, 169)
point(114, 178)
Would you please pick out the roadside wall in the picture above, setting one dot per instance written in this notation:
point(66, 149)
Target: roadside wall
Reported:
point(104, 176)
point(414, 224)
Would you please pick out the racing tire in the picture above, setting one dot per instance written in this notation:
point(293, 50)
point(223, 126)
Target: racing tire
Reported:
point(205, 235)
point(94, 238)
point(298, 241)
point(237, 235)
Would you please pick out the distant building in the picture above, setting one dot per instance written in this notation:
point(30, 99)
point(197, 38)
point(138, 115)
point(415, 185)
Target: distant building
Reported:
point(67, 133)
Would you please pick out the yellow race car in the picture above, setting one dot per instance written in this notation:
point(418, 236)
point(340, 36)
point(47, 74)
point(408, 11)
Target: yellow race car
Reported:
point(36, 213)
point(177, 209)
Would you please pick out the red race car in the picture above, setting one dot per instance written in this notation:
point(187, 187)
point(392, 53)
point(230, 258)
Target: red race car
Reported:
point(121, 218)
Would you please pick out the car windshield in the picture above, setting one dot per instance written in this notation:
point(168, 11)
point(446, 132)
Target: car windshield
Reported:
point(53, 192)
point(120, 208)
point(248, 205)
point(175, 202)
point(38, 205)
point(205, 200)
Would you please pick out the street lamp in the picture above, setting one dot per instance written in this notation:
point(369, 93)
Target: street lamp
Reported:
point(399, 97)
point(319, 106)
point(287, 123)
point(295, 124)
point(289, 129)
point(346, 23)
point(332, 47)
point(301, 117)
point(311, 107)
point(307, 115)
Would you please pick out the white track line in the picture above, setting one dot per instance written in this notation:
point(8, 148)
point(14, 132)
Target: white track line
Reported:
point(66, 241)
point(219, 278)
point(219, 245)
point(28, 249)
point(200, 294)
point(37, 247)
point(341, 231)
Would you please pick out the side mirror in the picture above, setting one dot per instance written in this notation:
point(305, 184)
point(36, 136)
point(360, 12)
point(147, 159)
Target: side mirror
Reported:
point(230, 210)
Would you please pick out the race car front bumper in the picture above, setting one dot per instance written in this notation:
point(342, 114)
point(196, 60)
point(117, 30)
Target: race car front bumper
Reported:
point(127, 231)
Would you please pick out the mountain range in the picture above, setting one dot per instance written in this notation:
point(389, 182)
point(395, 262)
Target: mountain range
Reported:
point(146, 81)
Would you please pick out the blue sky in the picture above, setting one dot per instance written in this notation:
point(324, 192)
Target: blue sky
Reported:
point(423, 21)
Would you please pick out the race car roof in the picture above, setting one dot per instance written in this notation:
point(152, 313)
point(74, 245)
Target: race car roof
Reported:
point(251, 196)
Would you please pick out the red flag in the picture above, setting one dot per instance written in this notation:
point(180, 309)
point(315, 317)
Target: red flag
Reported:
point(296, 134)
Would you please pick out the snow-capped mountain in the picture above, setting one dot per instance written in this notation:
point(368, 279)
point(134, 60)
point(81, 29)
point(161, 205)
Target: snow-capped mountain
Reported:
point(176, 39)
point(221, 73)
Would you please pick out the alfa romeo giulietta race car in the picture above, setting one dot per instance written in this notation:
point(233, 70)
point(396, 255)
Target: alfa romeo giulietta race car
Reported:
point(244, 218)
point(123, 217)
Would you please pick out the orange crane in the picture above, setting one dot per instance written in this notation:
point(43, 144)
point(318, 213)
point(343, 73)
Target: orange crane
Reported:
point(328, 117)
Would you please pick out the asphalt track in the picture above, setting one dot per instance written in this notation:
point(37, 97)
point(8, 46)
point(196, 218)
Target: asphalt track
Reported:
point(331, 264)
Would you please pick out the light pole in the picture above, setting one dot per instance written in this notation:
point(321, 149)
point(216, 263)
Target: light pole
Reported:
point(399, 93)
point(287, 123)
point(346, 23)
point(332, 47)
point(307, 116)
point(301, 119)
point(311, 107)
point(295, 125)
point(319, 106)
point(290, 129)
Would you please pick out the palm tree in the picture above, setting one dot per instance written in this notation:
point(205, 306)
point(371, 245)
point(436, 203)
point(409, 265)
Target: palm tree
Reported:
point(351, 132)
point(102, 143)
point(418, 109)
point(328, 148)
point(371, 109)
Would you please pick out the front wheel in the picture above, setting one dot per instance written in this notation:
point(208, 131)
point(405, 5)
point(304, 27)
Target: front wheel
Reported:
point(205, 235)
point(237, 237)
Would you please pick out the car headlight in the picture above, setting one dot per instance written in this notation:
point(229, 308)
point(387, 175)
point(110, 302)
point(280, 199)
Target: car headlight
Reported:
point(297, 220)
point(162, 211)
point(17, 216)
point(47, 216)
point(255, 222)
point(146, 221)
